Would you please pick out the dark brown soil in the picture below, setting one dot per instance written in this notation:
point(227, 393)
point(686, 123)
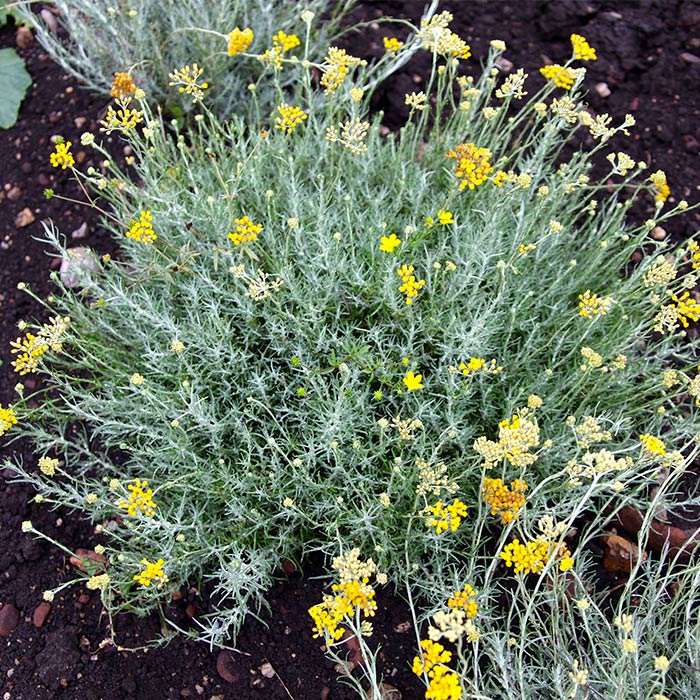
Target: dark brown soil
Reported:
point(650, 60)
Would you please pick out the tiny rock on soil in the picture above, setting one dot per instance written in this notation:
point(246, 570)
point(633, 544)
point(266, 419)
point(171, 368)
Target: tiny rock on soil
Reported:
point(649, 66)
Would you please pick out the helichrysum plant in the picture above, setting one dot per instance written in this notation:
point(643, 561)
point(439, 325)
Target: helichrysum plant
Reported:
point(149, 39)
point(423, 354)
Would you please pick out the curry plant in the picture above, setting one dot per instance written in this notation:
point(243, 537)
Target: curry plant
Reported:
point(428, 348)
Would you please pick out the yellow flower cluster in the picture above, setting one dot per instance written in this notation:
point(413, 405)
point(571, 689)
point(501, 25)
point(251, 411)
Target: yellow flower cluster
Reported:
point(7, 419)
point(141, 229)
point(416, 100)
point(30, 348)
point(140, 499)
point(588, 431)
point(444, 684)
point(473, 165)
point(598, 127)
point(336, 67)
point(387, 244)
point(152, 572)
point(653, 445)
point(353, 595)
point(47, 465)
point(446, 517)
point(505, 501)
point(99, 582)
point(515, 439)
point(512, 86)
point(327, 617)
point(289, 118)
point(566, 108)
point(594, 463)
point(123, 119)
point(621, 162)
point(413, 381)
point(432, 654)
point(694, 251)
point(122, 86)
point(464, 599)
point(659, 273)
point(62, 157)
point(410, 286)
point(285, 42)
point(684, 309)
point(239, 40)
point(246, 231)
point(593, 359)
point(523, 180)
point(533, 556)
point(444, 218)
point(358, 594)
point(281, 43)
point(392, 45)
point(562, 77)
point(591, 305)
point(436, 37)
point(477, 364)
point(187, 80)
point(583, 51)
point(452, 624)
point(658, 179)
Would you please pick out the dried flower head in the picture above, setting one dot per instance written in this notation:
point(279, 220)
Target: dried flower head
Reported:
point(123, 86)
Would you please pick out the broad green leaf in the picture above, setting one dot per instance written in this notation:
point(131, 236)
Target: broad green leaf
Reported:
point(14, 83)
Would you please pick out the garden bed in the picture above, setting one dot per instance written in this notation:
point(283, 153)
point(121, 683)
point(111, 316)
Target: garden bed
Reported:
point(649, 66)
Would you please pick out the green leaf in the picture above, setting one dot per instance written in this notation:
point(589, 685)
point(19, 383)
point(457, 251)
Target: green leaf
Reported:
point(14, 83)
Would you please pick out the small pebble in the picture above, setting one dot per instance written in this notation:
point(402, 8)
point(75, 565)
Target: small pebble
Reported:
point(602, 89)
point(504, 64)
point(41, 612)
point(24, 37)
point(78, 262)
point(49, 19)
point(24, 218)
point(81, 231)
point(9, 617)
